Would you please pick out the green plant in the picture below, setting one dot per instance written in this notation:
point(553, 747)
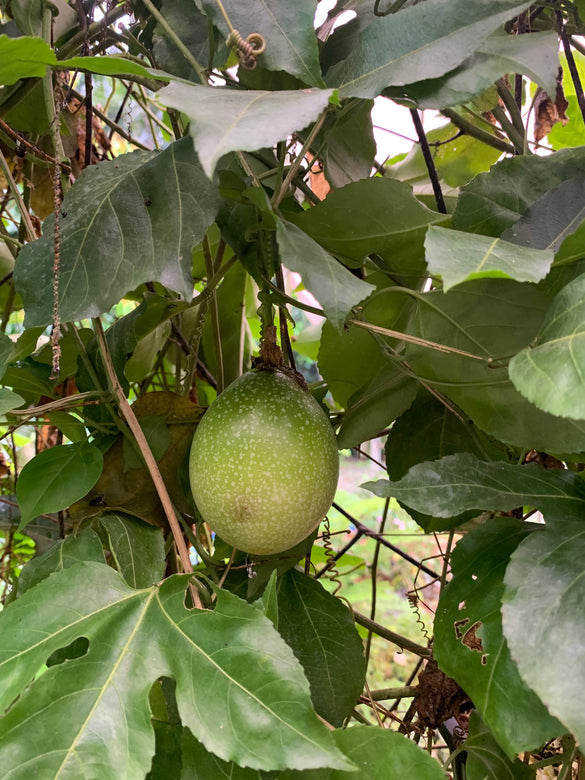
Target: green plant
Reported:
point(177, 166)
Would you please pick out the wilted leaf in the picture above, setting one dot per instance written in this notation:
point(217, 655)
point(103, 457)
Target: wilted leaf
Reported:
point(236, 680)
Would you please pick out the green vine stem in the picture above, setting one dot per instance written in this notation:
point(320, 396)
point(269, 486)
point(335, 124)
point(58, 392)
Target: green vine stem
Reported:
point(476, 132)
point(391, 636)
point(373, 575)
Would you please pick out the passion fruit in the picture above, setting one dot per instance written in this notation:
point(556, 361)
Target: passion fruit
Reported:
point(264, 463)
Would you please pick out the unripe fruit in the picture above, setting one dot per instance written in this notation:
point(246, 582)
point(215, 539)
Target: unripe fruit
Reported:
point(264, 463)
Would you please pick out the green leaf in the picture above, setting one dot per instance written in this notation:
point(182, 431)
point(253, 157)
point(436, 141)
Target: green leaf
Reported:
point(553, 217)
point(128, 221)
point(458, 257)
point(6, 350)
point(9, 400)
point(469, 643)
point(496, 200)
point(380, 754)
point(200, 764)
point(336, 289)
point(237, 680)
point(551, 372)
point(543, 601)
point(287, 29)
point(428, 431)
point(460, 482)
point(421, 42)
point(383, 399)
point(323, 636)
point(138, 549)
point(350, 149)
point(57, 477)
point(112, 65)
point(77, 548)
point(24, 57)
point(535, 55)
point(490, 318)
point(377, 215)
point(225, 120)
point(192, 28)
point(485, 758)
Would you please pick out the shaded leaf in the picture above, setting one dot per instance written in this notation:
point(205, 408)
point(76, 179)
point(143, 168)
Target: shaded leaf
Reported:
point(469, 643)
point(286, 27)
point(535, 55)
point(130, 220)
point(138, 549)
point(192, 28)
point(421, 42)
point(496, 200)
point(57, 477)
point(553, 217)
point(485, 758)
point(9, 400)
point(236, 680)
point(77, 548)
point(377, 215)
point(543, 600)
point(489, 318)
point(323, 636)
point(380, 754)
point(200, 764)
point(460, 482)
point(225, 120)
point(350, 151)
point(458, 257)
point(551, 372)
point(336, 289)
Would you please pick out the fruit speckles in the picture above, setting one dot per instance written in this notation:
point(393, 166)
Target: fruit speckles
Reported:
point(264, 463)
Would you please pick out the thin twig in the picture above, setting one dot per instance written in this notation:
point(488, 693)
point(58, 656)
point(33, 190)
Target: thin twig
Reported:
point(429, 162)
point(30, 231)
point(571, 63)
point(293, 170)
point(373, 575)
point(149, 460)
point(391, 636)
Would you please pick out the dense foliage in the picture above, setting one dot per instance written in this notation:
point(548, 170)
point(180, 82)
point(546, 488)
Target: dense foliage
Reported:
point(194, 185)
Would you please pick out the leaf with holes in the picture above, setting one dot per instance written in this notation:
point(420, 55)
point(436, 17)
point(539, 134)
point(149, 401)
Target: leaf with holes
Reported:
point(127, 221)
point(458, 257)
point(469, 643)
point(543, 600)
point(551, 372)
point(236, 680)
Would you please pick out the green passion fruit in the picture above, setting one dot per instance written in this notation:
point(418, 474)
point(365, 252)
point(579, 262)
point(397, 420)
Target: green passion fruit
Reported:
point(264, 463)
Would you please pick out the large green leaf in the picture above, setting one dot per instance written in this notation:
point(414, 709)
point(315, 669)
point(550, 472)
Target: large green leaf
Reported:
point(496, 200)
point(458, 257)
point(138, 549)
point(125, 222)
point(226, 120)
point(490, 318)
point(553, 217)
point(24, 57)
point(336, 288)
point(286, 27)
point(380, 754)
point(469, 643)
point(486, 760)
point(551, 372)
point(460, 482)
point(536, 55)
point(350, 148)
point(323, 636)
point(236, 679)
point(57, 477)
point(543, 617)
point(200, 764)
point(377, 215)
point(421, 42)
